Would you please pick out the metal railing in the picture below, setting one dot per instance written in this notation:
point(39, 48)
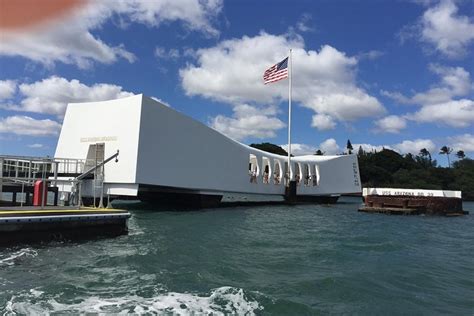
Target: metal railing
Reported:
point(67, 173)
point(19, 174)
point(36, 167)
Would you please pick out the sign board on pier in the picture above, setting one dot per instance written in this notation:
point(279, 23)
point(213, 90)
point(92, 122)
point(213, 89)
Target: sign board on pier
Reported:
point(411, 192)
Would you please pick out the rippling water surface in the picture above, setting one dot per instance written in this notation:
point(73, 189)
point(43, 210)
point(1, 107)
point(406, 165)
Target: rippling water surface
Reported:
point(310, 259)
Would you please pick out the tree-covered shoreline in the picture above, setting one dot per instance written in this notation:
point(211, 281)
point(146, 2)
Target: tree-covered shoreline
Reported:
point(387, 168)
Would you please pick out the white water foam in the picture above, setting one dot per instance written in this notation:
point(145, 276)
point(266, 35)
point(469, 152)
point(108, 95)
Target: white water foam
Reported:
point(133, 228)
point(17, 256)
point(221, 301)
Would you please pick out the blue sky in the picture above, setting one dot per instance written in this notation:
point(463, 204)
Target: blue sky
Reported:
point(394, 74)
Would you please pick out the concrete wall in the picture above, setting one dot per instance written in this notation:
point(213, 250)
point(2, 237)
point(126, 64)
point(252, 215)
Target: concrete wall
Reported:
point(115, 123)
point(175, 150)
point(160, 146)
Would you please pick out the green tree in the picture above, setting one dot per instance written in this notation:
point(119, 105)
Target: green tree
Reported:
point(349, 147)
point(445, 150)
point(388, 160)
point(464, 178)
point(319, 152)
point(389, 169)
point(425, 153)
point(409, 162)
point(460, 154)
point(425, 158)
point(361, 151)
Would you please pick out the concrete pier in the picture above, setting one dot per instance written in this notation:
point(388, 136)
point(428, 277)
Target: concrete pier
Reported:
point(412, 202)
point(25, 224)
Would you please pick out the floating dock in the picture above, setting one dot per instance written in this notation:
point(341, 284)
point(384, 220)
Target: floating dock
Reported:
point(25, 224)
point(412, 202)
point(31, 189)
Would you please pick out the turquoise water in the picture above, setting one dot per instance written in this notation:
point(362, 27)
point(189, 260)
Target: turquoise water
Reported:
point(276, 260)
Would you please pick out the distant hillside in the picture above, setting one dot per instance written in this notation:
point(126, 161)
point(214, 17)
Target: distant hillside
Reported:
point(271, 148)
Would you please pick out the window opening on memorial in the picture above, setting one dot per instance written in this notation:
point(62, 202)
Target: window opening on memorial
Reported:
point(307, 174)
point(316, 177)
point(277, 172)
point(266, 170)
point(297, 173)
point(253, 168)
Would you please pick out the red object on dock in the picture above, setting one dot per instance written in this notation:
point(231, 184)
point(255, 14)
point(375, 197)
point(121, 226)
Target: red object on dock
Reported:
point(38, 198)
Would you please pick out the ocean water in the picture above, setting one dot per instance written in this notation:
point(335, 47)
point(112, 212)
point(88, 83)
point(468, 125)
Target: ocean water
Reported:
point(270, 260)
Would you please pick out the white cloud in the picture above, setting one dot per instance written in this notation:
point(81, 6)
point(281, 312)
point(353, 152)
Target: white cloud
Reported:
point(323, 80)
point(162, 53)
point(25, 125)
point(161, 101)
point(36, 146)
point(454, 82)
point(370, 148)
point(194, 14)
point(323, 122)
point(404, 147)
point(462, 142)
point(330, 147)
point(370, 55)
point(391, 124)
point(303, 23)
point(300, 149)
point(441, 104)
point(456, 113)
point(456, 79)
point(70, 39)
point(51, 95)
point(244, 61)
point(248, 121)
point(397, 96)
point(414, 146)
point(447, 31)
point(7, 89)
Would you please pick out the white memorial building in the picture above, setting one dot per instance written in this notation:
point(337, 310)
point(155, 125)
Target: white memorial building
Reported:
point(165, 154)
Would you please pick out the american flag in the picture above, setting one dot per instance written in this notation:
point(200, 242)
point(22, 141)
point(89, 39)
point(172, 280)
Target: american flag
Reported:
point(276, 72)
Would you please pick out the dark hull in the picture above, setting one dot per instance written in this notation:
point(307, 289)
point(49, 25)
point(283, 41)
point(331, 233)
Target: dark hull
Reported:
point(319, 199)
point(176, 198)
point(62, 233)
point(32, 224)
point(162, 196)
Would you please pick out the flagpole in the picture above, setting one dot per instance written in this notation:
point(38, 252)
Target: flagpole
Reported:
point(290, 69)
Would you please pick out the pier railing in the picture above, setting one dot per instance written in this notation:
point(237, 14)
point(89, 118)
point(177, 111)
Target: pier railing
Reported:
point(18, 175)
point(67, 177)
point(39, 167)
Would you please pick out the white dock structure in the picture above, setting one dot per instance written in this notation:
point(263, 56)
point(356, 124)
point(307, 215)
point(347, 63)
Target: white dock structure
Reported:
point(165, 154)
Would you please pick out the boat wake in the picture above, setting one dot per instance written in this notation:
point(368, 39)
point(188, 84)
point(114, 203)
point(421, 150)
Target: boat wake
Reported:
point(219, 301)
point(17, 256)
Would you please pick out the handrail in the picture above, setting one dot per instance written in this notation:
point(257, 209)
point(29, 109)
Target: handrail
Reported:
point(31, 165)
point(20, 170)
point(91, 170)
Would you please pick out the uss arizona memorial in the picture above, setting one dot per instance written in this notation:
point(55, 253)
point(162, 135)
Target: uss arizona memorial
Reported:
point(167, 155)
